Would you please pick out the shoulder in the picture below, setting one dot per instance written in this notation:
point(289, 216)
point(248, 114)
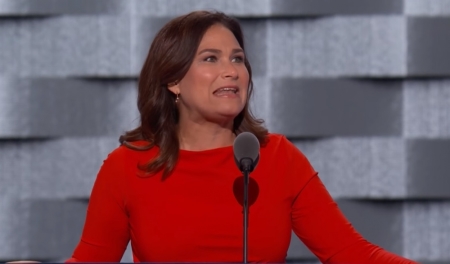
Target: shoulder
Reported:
point(275, 138)
point(132, 152)
point(279, 141)
point(280, 145)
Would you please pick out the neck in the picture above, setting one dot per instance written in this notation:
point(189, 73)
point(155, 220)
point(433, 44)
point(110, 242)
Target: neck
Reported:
point(198, 137)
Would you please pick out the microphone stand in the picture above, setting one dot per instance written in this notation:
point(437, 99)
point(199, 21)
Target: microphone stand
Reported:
point(246, 167)
point(245, 207)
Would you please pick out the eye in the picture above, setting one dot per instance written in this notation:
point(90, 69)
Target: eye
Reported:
point(238, 59)
point(210, 59)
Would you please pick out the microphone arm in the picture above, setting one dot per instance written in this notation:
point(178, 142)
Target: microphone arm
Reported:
point(246, 168)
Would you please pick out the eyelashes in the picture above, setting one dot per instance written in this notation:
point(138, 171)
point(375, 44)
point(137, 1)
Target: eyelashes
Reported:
point(238, 59)
point(210, 59)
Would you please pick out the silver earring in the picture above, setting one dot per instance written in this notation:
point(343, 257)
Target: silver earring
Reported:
point(178, 98)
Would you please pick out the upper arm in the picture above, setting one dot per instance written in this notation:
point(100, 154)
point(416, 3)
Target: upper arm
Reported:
point(320, 224)
point(106, 233)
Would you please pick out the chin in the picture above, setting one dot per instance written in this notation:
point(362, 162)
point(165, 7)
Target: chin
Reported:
point(230, 112)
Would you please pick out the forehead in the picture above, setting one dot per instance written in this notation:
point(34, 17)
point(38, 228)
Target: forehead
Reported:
point(218, 35)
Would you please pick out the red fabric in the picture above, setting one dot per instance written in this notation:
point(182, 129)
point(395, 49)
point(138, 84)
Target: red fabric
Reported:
point(194, 216)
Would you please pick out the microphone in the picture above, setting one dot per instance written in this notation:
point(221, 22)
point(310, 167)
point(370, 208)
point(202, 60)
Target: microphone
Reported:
point(246, 156)
point(246, 151)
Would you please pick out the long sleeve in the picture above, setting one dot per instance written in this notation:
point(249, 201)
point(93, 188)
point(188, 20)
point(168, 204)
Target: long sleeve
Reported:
point(319, 223)
point(105, 234)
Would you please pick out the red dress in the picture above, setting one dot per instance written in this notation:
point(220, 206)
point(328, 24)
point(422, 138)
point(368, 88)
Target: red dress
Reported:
point(195, 214)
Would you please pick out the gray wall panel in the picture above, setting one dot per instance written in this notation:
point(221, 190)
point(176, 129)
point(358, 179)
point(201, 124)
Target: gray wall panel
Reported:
point(55, 7)
point(332, 7)
point(427, 7)
point(32, 234)
point(428, 42)
point(9, 34)
point(426, 230)
point(338, 46)
point(143, 30)
point(255, 32)
point(426, 108)
point(381, 167)
point(56, 107)
point(359, 167)
point(62, 232)
point(260, 104)
point(298, 250)
point(236, 7)
point(429, 168)
point(13, 228)
point(162, 8)
point(53, 169)
point(379, 222)
point(67, 46)
point(329, 107)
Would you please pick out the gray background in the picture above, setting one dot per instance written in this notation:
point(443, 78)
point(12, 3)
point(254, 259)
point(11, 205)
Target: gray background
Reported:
point(362, 87)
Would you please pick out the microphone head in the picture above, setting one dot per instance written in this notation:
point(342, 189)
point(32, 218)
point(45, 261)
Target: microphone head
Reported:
point(246, 147)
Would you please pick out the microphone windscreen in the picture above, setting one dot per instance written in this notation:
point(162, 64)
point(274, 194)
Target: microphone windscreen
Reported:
point(246, 145)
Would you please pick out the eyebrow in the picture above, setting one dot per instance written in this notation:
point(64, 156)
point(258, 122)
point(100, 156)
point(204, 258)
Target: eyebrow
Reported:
point(219, 51)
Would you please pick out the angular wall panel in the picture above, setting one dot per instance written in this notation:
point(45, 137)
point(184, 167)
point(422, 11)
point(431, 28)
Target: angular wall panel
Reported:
point(338, 46)
point(426, 231)
point(52, 169)
point(236, 7)
point(154, 8)
point(380, 222)
point(330, 107)
point(426, 108)
point(336, 107)
point(359, 167)
point(330, 7)
point(260, 103)
point(428, 168)
point(298, 251)
point(54, 237)
point(66, 46)
point(380, 168)
point(427, 7)
point(65, 107)
point(255, 30)
point(56, 7)
point(428, 42)
point(143, 30)
point(164, 8)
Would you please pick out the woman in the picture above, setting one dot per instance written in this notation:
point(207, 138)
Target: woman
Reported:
point(171, 187)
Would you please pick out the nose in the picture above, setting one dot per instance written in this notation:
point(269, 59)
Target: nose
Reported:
point(229, 71)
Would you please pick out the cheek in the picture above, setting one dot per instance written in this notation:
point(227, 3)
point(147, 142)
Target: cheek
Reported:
point(244, 75)
point(196, 83)
point(245, 81)
point(198, 73)
point(203, 75)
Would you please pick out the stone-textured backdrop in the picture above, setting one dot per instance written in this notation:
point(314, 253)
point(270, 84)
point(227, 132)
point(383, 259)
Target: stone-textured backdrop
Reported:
point(362, 87)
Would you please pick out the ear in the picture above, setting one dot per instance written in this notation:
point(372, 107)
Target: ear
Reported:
point(174, 87)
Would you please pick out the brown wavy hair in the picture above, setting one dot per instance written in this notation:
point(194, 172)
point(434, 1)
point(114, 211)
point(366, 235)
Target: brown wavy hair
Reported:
point(169, 58)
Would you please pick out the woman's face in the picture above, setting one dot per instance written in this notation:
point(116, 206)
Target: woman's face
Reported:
point(215, 87)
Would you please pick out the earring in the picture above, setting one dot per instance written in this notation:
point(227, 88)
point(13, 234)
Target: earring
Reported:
point(178, 98)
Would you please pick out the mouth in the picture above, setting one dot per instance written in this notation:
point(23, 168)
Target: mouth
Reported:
point(226, 90)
